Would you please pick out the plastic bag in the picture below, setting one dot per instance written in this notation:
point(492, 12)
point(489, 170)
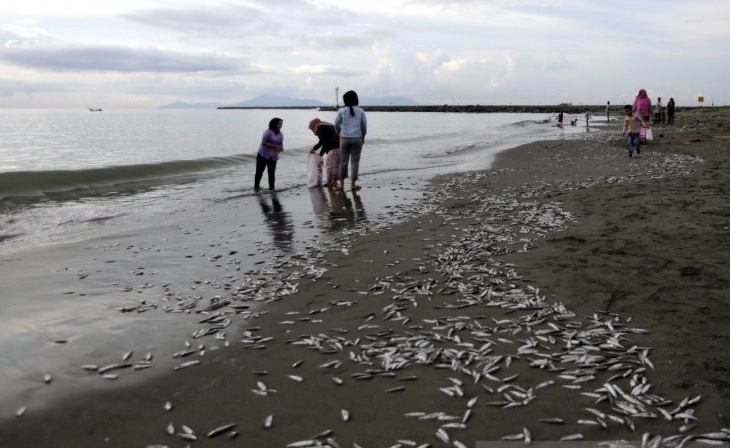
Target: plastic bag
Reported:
point(649, 135)
point(314, 170)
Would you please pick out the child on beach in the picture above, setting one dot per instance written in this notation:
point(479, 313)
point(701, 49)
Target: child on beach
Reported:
point(632, 129)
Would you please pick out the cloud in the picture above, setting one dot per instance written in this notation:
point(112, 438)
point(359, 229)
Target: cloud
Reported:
point(24, 33)
point(111, 58)
point(204, 20)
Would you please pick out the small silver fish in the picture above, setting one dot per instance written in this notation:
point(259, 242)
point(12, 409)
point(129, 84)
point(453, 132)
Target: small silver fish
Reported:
point(186, 364)
point(220, 430)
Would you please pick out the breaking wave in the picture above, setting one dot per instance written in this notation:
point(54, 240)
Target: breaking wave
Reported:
point(107, 180)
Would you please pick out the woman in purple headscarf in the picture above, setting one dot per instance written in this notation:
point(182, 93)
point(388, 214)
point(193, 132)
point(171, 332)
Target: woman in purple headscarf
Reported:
point(642, 105)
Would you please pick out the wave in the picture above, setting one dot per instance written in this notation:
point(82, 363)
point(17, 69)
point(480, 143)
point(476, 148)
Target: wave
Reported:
point(98, 181)
point(529, 122)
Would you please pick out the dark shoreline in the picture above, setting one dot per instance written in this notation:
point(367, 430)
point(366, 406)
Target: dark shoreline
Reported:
point(598, 110)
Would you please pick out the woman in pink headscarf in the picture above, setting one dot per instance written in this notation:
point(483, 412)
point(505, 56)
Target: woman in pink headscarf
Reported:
point(642, 108)
point(642, 105)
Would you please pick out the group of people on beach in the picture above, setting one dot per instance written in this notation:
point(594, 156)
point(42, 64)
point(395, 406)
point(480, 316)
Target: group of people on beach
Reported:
point(636, 120)
point(341, 142)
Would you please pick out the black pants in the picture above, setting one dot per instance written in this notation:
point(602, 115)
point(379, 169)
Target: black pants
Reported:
point(270, 166)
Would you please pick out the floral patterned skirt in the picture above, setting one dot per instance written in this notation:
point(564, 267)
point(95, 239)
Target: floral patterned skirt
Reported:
point(333, 166)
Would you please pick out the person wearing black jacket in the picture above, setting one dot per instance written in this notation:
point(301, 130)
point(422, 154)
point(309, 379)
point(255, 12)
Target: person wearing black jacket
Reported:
point(329, 144)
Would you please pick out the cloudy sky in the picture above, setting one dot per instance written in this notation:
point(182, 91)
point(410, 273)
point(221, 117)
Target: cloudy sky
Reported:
point(140, 54)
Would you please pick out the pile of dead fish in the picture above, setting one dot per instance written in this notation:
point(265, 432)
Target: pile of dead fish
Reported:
point(489, 327)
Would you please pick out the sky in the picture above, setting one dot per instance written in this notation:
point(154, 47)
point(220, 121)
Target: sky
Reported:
point(143, 54)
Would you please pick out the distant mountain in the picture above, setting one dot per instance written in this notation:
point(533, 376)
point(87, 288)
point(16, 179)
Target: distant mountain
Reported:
point(181, 105)
point(283, 101)
point(278, 101)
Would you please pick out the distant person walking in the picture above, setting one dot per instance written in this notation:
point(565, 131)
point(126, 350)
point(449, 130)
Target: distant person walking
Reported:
point(642, 105)
point(560, 119)
point(588, 118)
point(608, 111)
point(352, 126)
point(329, 142)
point(272, 144)
point(670, 111)
point(659, 111)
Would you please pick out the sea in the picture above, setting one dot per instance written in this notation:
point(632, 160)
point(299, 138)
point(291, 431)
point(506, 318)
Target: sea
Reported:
point(113, 183)
point(68, 175)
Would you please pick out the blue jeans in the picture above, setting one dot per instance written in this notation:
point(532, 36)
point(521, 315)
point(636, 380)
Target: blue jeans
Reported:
point(633, 141)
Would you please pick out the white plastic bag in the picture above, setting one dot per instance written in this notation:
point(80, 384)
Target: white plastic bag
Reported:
point(314, 170)
point(649, 135)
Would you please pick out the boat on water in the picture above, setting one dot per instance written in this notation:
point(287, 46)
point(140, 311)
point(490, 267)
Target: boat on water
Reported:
point(94, 109)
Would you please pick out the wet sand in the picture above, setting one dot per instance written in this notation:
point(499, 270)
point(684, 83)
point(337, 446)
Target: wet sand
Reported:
point(619, 244)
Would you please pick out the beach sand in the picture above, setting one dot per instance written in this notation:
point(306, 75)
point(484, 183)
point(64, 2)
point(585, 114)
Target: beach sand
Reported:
point(613, 244)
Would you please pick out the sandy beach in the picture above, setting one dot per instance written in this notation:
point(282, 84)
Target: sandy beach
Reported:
point(568, 292)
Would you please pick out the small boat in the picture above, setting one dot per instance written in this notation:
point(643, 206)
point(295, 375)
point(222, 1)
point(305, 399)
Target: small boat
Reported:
point(95, 109)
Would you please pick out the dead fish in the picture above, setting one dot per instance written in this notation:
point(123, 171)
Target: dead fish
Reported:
point(220, 430)
point(269, 421)
point(303, 444)
point(466, 416)
point(21, 411)
point(119, 365)
point(168, 406)
point(296, 378)
point(395, 389)
point(528, 435)
point(186, 364)
point(188, 436)
point(553, 420)
point(345, 415)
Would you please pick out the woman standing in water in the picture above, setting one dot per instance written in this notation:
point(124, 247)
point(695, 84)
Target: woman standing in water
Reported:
point(272, 143)
point(329, 141)
point(352, 125)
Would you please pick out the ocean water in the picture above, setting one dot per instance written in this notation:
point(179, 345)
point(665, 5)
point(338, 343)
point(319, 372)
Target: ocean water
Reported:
point(70, 175)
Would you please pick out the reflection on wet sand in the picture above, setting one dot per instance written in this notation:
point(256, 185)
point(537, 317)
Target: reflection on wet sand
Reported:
point(337, 207)
point(279, 222)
